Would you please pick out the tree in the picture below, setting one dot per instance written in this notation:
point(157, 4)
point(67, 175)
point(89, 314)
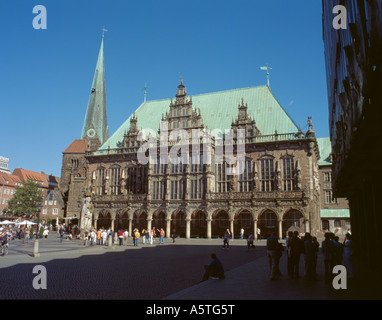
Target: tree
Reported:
point(26, 201)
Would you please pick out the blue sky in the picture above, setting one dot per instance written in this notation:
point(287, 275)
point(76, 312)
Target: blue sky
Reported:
point(46, 75)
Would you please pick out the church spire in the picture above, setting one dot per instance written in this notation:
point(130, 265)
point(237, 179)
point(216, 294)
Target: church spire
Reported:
point(95, 128)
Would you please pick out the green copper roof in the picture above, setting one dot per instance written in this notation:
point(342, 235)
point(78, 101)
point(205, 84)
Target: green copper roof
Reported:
point(335, 213)
point(96, 117)
point(325, 147)
point(217, 110)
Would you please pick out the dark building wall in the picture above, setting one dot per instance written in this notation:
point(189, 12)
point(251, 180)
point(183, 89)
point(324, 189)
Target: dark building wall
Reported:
point(354, 78)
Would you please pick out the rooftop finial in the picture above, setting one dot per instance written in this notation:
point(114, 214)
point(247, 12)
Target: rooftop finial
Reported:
point(267, 68)
point(145, 92)
point(103, 31)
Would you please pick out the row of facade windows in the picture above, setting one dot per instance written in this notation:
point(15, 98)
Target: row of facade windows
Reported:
point(136, 177)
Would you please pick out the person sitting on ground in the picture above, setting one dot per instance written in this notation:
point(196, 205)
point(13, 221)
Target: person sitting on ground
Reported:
point(214, 269)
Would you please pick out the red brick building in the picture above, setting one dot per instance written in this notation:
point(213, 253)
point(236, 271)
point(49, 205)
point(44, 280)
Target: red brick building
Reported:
point(8, 183)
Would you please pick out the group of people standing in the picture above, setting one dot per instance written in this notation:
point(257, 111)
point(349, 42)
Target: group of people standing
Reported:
point(102, 236)
point(307, 246)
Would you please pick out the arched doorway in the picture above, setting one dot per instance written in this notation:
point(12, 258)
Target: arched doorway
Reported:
point(243, 220)
point(220, 224)
point(104, 220)
point(292, 221)
point(178, 224)
point(159, 220)
point(199, 225)
point(139, 220)
point(267, 223)
point(122, 221)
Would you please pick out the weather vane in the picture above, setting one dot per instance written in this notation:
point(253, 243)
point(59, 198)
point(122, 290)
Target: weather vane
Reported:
point(267, 68)
point(103, 31)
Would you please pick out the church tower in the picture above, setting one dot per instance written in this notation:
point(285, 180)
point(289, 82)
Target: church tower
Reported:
point(95, 129)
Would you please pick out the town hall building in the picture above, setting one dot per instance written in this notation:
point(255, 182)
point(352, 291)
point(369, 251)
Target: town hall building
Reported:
point(195, 165)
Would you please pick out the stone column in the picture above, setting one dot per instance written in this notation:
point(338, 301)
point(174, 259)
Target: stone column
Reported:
point(209, 223)
point(149, 224)
point(280, 229)
point(231, 228)
point(130, 226)
point(95, 223)
point(307, 228)
point(168, 228)
point(255, 229)
point(112, 223)
point(188, 228)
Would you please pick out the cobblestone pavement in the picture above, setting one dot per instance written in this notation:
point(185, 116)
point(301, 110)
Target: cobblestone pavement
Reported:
point(75, 271)
point(170, 271)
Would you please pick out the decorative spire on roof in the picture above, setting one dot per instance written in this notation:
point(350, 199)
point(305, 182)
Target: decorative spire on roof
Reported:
point(95, 128)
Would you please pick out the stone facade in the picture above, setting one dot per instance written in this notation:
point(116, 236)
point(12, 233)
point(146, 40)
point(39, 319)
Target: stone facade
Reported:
point(278, 187)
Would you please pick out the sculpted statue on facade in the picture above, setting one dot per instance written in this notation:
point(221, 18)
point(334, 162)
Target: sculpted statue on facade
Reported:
point(87, 214)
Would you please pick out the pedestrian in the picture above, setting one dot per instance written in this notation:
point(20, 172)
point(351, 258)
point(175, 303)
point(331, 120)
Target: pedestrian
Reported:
point(273, 255)
point(61, 234)
point(143, 233)
point(153, 234)
point(349, 255)
point(120, 237)
point(161, 234)
point(125, 236)
point(241, 233)
point(214, 269)
point(279, 254)
point(338, 251)
point(316, 247)
point(46, 233)
point(328, 252)
point(173, 236)
point(136, 238)
point(99, 232)
point(309, 254)
point(104, 237)
point(227, 237)
point(296, 245)
point(86, 238)
point(250, 242)
point(289, 259)
point(27, 235)
point(93, 237)
point(111, 236)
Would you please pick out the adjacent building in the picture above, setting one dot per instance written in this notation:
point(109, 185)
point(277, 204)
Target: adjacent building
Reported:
point(334, 212)
point(354, 76)
point(4, 165)
point(8, 184)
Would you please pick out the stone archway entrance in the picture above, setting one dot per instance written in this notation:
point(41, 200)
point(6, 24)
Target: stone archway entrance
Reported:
point(122, 221)
point(199, 225)
point(178, 224)
point(292, 220)
point(267, 223)
point(220, 224)
point(104, 220)
point(159, 220)
point(139, 220)
point(243, 220)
